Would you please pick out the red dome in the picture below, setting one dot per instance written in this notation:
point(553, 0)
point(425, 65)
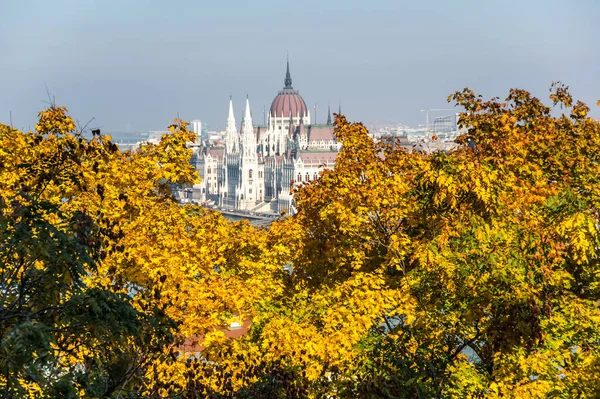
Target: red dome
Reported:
point(288, 100)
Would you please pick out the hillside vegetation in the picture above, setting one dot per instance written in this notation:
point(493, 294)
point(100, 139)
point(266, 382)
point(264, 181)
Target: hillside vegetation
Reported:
point(468, 274)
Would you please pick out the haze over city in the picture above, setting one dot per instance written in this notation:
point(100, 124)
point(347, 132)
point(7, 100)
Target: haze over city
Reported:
point(135, 65)
point(408, 248)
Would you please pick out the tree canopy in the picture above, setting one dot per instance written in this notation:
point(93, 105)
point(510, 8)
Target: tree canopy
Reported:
point(463, 274)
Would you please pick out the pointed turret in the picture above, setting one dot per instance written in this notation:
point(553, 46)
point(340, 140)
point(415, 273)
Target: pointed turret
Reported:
point(231, 133)
point(288, 77)
point(248, 137)
point(340, 109)
point(329, 115)
point(247, 128)
point(231, 117)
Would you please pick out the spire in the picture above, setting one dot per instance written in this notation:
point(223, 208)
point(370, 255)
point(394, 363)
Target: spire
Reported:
point(248, 137)
point(288, 77)
point(247, 114)
point(231, 117)
point(340, 109)
point(329, 114)
point(247, 126)
point(231, 135)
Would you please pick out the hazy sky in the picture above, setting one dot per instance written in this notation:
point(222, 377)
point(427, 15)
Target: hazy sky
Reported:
point(136, 64)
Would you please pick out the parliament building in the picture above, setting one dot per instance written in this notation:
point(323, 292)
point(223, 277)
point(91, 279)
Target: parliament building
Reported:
point(256, 166)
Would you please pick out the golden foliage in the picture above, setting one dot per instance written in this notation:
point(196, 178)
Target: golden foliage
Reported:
point(471, 273)
point(183, 262)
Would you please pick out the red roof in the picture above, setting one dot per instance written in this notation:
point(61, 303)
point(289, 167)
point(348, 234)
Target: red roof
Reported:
point(216, 152)
point(194, 344)
point(320, 133)
point(288, 100)
point(318, 157)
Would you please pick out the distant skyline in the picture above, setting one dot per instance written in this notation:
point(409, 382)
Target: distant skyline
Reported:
point(137, 64)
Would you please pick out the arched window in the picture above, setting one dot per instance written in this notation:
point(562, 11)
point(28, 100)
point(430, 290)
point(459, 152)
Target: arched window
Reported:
point(299, 177)
point(250, 174)
point(307, 177)
point(209, 170)
point(315, 176)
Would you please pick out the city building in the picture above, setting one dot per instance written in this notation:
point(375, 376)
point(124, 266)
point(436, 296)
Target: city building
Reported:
point(256, 166)
point(197, 127)
point(444, 125)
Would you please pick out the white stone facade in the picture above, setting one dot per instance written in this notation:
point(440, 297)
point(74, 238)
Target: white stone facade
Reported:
point(255, 168)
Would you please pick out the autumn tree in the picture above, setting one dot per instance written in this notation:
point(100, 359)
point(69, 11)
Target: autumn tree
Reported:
point(104, 273)
point(61, 337)
point(468, 273)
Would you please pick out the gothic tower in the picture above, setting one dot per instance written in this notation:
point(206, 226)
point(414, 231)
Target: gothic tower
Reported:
point(232, 139)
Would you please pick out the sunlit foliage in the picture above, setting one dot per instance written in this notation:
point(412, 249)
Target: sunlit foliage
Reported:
point(472, 273)
point(464, 274)
point(103, 273)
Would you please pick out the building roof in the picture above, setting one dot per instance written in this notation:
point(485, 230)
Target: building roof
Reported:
point(215, 152)
point(318, 157)
point(288, 101)
point(320, 132)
